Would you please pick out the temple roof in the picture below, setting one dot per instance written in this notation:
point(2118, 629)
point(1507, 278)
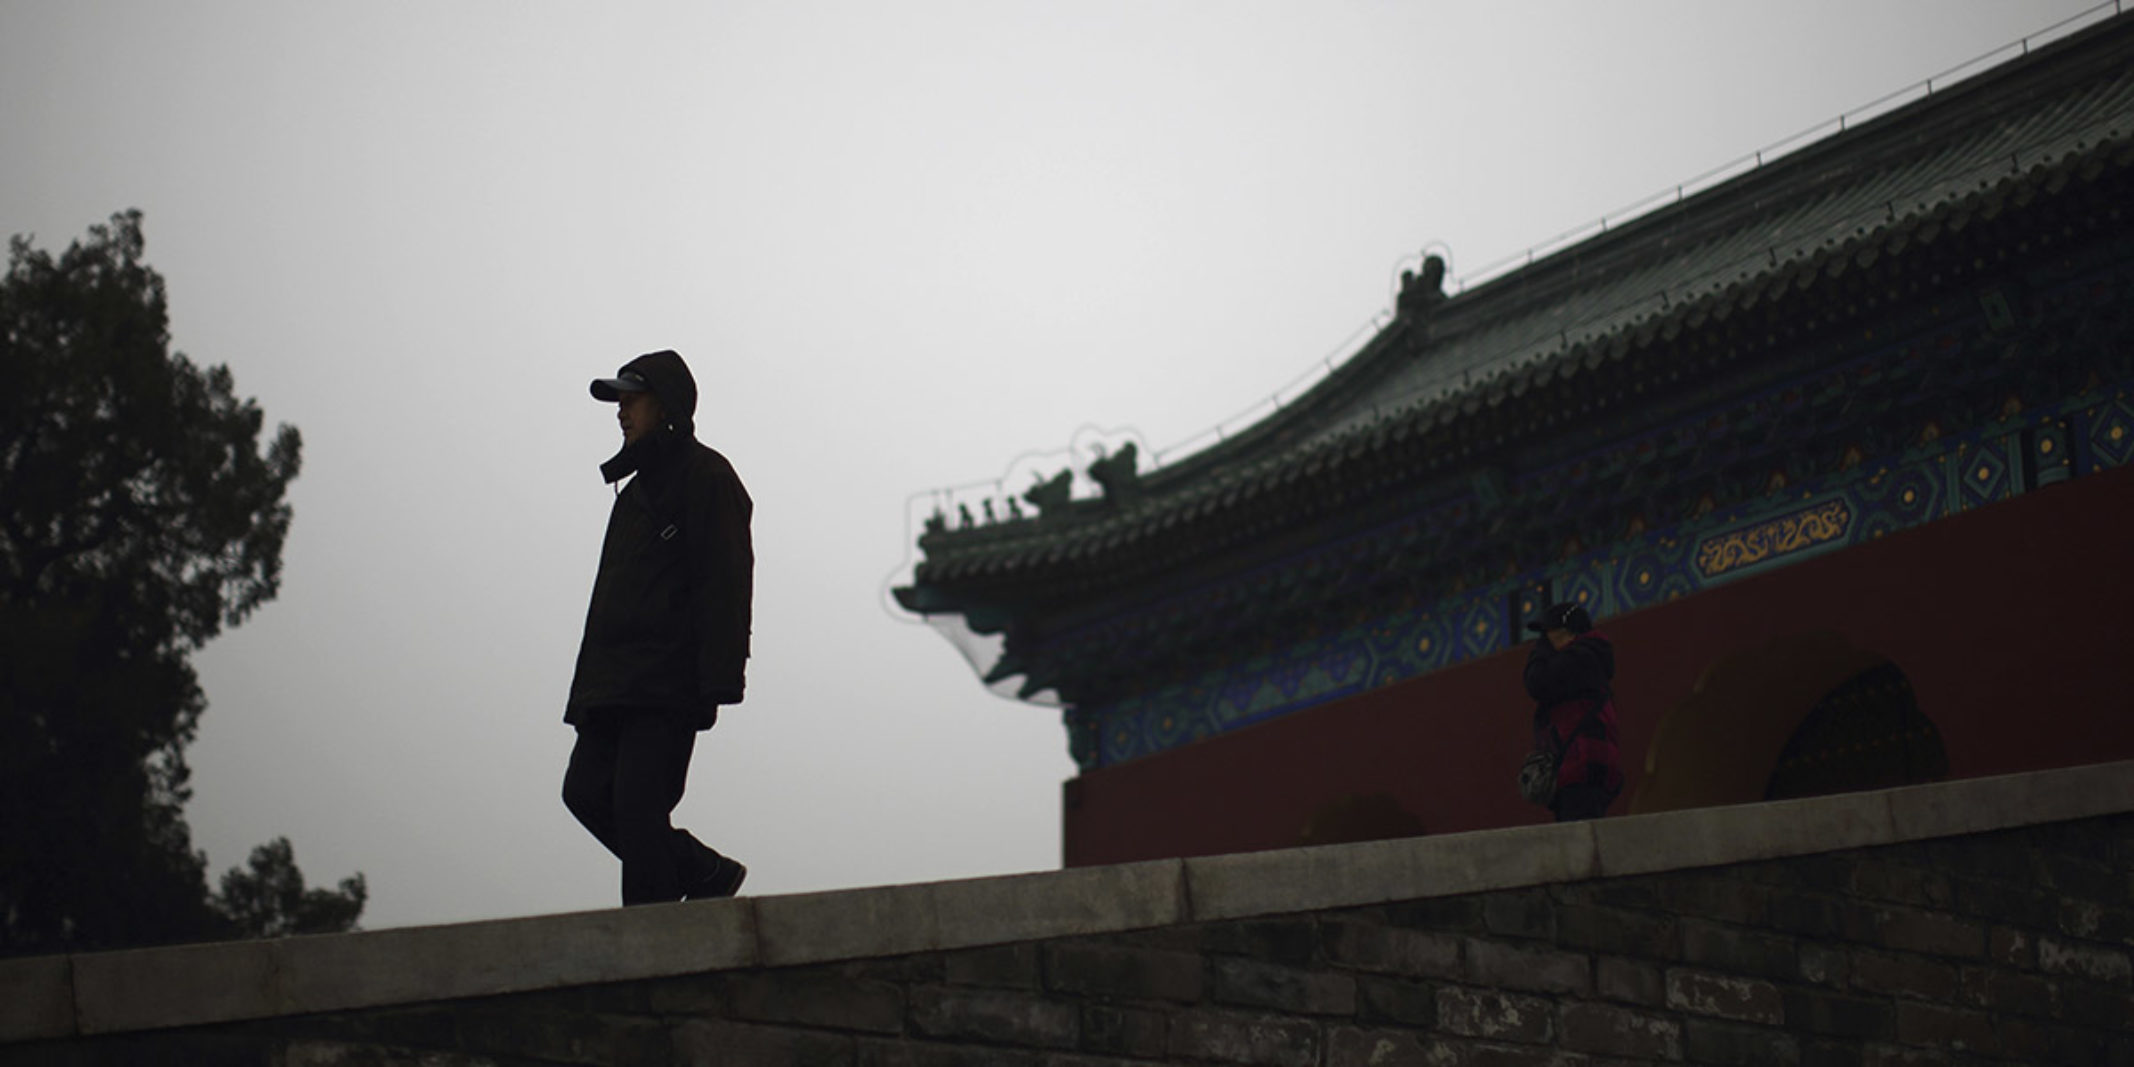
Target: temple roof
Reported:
point(1905, 177)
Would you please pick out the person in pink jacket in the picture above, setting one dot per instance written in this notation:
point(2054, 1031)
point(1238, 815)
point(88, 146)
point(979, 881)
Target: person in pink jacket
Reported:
point(1569, 672)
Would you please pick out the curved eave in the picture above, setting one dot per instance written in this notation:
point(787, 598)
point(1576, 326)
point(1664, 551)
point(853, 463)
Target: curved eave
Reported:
point(1475, 357)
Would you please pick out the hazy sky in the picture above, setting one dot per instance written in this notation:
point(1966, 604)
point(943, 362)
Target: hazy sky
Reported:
point(900, 244)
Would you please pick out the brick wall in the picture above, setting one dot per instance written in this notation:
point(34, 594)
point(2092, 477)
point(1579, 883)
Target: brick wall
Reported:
point(2015, 946)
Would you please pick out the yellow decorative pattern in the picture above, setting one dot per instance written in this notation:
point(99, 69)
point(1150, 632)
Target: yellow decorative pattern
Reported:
point(1803, 529)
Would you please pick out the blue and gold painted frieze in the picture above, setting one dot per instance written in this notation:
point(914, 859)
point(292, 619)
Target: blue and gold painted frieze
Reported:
point(1939, 476)
point(1785, 538)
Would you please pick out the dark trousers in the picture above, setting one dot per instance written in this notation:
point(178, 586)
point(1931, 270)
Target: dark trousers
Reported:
point(626, 774)
point(1574, 803)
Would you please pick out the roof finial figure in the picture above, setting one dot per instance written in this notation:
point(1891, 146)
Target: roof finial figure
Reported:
point(1117, 473)
point(1418, 292)
point(1050, 495)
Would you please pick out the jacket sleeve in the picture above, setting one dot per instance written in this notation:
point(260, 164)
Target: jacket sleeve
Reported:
point(722, 580)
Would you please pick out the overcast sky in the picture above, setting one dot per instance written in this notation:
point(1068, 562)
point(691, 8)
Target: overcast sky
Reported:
point(900, 244)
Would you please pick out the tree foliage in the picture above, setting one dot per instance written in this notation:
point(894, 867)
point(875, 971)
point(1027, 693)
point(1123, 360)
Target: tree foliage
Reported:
point(267, 898)
point(138, 517)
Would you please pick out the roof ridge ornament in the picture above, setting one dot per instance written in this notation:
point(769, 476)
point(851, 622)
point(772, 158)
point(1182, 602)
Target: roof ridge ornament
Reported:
point(1421, 291)
point(1050, 495)
point(1118, 473)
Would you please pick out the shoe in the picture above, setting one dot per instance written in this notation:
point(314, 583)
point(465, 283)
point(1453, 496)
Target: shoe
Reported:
point(722, 880)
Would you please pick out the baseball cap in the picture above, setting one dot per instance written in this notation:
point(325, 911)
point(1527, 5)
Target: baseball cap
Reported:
point(611, 389)
point(1567, 615)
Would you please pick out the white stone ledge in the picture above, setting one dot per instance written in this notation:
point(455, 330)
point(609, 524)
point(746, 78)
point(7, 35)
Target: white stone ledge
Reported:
point(189, 985)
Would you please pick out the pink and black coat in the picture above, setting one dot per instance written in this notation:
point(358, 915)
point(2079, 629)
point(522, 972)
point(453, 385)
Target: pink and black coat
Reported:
point(1574, 710)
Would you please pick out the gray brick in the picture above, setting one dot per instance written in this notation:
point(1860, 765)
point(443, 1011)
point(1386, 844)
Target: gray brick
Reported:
point(2098, 922)
point(1729, 948)
point(1349, 1046)
point(1506, 966)
point(2022, 905)
point(1072, 1059)
point(1396, 1000)
point(926, 969)
point(1527, 913)
point(2094, 1005)
point(1462, 914)
point(1825, 1053)
point(1002, 966)
point(1637, 893)
point(428, 1026)
point(1808, 914)
point(2023, 1040)
point(1290, 941)
point(2083, 960)
point(193, 1049)
point(1931, 933)
point(815, 997)
point(1747, 1000)
point(1290, 989)
point(1902, 883)
point(2005, 992)
point(2077, 1045)
point(1734, 1045)
point(1145, 974)
point(1231, 1037)
point(1915, 976)
point(1122, 1031)
point(2077, 877)
point(701, 1041)
point(1487, 1013)
point(1835, 1015)
point(2042, 1042)
point(1485, 1054)
point(1193, 939)
point(1630, 981)
point(1623, 933)
point(904, 1052)
point(1614, 1031)
point(1392, 950)
point(1825, 965)
point(498, 1028)
point(331, 1054)
point(994, 1015)
point(1732, 900)
point(2014, 948)
point(621, 998)
point(1934, 1026)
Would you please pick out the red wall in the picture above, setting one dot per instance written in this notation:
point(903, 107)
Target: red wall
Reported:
point(2014, 622)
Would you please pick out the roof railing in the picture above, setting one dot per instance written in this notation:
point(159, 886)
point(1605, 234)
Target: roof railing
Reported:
point(1921, 89)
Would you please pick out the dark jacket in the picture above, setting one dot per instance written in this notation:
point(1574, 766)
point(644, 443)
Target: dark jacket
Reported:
point(1574, 709)
point(668, 627)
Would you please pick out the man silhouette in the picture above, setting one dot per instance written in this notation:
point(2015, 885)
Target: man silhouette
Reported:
point(666, 636)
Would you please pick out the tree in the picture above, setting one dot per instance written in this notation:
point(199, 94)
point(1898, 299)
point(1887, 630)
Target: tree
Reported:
point(267, 898)
point(137, 518)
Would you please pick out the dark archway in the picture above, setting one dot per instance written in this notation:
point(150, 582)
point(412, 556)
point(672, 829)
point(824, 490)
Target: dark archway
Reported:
point(1867, 733)
point(1798, 715)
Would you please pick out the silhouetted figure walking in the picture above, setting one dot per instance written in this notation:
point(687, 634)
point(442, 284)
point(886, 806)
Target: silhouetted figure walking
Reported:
point(666, 636)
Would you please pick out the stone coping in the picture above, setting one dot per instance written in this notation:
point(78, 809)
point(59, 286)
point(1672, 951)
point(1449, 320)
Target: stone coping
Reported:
point(144, 989)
